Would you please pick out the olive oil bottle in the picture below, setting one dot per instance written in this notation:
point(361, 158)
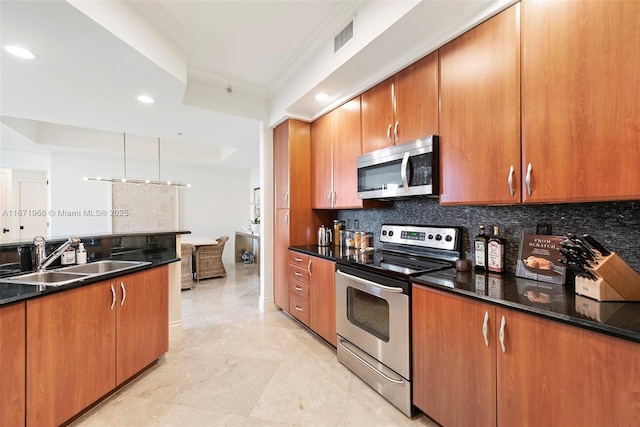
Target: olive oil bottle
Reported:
point(480, 243)
point(495, 251)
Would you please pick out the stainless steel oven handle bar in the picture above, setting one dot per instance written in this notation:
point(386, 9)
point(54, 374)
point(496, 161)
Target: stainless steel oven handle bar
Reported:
point(370, 283)
point(368, 365)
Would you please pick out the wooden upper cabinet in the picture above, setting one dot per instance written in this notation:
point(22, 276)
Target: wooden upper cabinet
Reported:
point(480, 113)
point(403, 107)
point(347, 146)
point(336, 144)
point(281, 165)
point(416, 97)
point(378, 117)
point(580, 109)
point(322, 161)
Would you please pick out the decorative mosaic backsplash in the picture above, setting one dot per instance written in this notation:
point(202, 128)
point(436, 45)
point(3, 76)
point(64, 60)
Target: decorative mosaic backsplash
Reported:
point(615, 224)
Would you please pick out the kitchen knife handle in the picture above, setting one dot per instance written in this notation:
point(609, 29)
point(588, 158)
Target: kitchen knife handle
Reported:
point(389, 134)
point(503, 323)
point(485, 328)
point(528, 178)
point(510, 181)
point(596, 245)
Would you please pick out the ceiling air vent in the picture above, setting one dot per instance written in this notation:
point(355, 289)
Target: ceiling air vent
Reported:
point(343, 37)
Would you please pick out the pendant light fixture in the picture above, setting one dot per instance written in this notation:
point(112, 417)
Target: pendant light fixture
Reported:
point(136, 181)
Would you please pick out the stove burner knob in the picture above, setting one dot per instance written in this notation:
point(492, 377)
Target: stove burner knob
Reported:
point(390, 233)
point(438, 237)
point(448, 238)
point(430, 236)
point(384, 232)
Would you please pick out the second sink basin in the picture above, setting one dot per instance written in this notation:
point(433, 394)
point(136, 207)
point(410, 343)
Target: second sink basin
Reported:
point(48, 278)
point(103, 266)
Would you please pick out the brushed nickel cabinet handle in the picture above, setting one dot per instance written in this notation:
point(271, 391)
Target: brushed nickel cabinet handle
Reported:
point(113, 296)
point(124, 293)
point(503, 324)
point(298, 308)
point(296, 273)
point(309, 267)
point(395, 131)
point(296, 259)
point(297, 288)
point(510, 181)
point(389, 134)
point(528, 178)
point(485, 328)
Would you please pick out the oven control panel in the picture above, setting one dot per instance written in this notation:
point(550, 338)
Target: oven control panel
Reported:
point(432, 236)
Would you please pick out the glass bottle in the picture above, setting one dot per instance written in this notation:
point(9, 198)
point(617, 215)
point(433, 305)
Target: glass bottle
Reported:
point(495, 251)
point(480, 243)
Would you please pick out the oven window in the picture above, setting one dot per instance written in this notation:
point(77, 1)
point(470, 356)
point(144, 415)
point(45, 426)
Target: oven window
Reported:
point(368, 312)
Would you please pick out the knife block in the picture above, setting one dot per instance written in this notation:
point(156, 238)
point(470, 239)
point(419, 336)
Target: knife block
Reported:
point(617, 281)
point(600, 311)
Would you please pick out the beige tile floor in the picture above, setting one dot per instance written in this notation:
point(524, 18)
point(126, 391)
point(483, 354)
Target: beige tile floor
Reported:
point(237, 366)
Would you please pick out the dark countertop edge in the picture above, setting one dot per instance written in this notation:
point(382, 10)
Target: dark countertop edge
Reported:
point(87, 281)
point(546, 314)
point(95, 236)
point(628, 335)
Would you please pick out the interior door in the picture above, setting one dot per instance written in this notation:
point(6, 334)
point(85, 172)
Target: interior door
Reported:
point(33, 201)
point(5, 205)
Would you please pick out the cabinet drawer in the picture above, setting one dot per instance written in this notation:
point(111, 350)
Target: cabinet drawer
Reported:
point(299, 288)
point(297, 258)
point(298, 273)
point(299, 307)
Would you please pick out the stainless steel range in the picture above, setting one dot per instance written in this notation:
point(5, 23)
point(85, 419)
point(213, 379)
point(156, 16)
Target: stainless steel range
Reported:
point(373, 304)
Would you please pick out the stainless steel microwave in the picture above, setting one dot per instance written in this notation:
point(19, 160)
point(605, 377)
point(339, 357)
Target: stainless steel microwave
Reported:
point(404, 170)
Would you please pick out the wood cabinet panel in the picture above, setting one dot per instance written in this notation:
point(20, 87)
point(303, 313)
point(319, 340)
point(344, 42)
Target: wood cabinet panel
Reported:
point(71, 350)
point(347, 147)
point(451, 362)
point(322, 299)
point(281, 166)
point(417, 99)
point(300, 273)
point(580, 109)
point(299, 259)
point(378, 117)
point(555, 374)
point(13, 362)
point(299, 308)
point(280, 259)
point(299, 288)
point(142, 320)
point(480, 113)
point(322, 147)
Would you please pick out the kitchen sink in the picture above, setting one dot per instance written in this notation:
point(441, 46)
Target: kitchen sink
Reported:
point(72, 274)
point(103, 266)
point(47, 278)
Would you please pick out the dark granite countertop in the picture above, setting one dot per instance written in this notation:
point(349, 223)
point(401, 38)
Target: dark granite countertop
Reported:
point(10, 293)
point(555, 302)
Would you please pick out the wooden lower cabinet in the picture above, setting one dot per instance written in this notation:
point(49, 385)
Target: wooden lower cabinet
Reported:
point(83, 342)
point(549, 374)
point(142, 321)
point(71, 359)
point(454, 371)
point(12, 364)
point(312, 293)
point(554, 374)
point(322, 298)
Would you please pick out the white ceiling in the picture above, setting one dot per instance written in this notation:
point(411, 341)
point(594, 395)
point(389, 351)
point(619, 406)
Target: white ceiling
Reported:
point(215, 68)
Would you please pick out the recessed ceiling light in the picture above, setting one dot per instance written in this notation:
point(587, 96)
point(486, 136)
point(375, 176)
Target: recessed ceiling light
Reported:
point(322, 96)
point(145, 99)
point(19, 52)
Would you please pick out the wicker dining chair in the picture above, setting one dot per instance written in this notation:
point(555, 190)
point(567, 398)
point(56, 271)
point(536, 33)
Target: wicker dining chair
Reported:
point(209, 260)
point(186, 256)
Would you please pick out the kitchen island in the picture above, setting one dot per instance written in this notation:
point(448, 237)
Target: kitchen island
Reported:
point(91, 335)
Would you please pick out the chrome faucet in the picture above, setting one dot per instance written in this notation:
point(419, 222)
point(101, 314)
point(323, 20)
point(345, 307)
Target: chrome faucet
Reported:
point(42, 260)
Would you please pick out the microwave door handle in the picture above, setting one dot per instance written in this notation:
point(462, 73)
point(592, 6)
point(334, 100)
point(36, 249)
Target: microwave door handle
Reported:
point(403, 171)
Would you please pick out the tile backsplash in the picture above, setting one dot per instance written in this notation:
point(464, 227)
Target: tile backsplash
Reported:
point(615, 224)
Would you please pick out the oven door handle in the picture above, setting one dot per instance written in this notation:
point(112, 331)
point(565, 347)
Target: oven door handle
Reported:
point(370, 283)
point(369, 365)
